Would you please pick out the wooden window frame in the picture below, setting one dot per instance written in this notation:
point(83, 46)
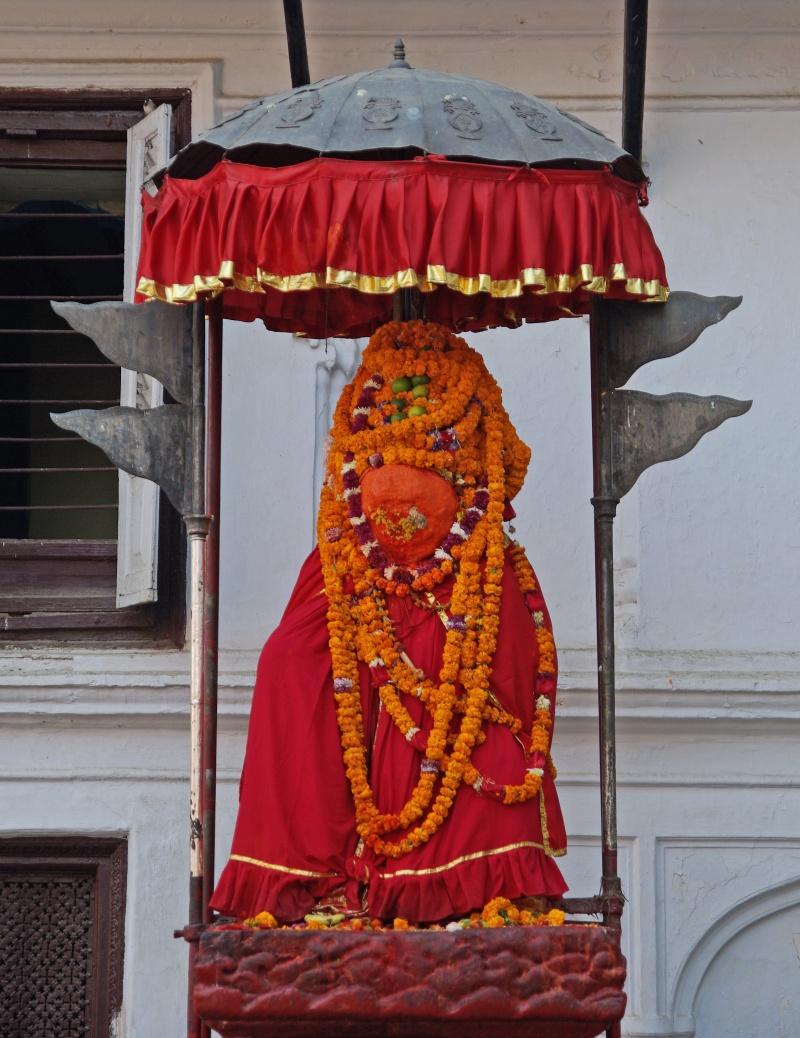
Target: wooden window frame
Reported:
point(162, 623)
point(105, 859)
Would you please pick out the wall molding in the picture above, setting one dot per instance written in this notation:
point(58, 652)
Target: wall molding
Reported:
point(700, 680)
point(166, 696)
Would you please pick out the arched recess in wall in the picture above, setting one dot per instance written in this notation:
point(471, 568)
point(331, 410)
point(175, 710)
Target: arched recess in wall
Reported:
point(727, 928)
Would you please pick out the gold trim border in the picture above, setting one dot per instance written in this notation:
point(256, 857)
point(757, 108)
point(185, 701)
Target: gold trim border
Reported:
point(535, 278)
point(549, 850)
point(460, 861)
point(285, 868)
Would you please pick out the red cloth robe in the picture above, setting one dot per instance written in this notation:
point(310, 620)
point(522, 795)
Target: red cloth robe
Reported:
point(295, 840)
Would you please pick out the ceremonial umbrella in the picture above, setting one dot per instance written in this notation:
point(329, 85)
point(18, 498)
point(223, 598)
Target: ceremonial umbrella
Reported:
point(310, 209)
point(315, 208)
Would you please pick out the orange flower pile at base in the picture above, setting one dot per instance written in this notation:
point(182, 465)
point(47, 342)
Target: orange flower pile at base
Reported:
point(500, 911)
point(262, 921)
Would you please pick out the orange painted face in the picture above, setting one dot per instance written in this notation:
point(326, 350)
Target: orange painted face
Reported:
point(410, 510)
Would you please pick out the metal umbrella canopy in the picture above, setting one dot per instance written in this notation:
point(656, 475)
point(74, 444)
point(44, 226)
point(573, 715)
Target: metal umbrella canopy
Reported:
point(498, 207)
point(401, 112)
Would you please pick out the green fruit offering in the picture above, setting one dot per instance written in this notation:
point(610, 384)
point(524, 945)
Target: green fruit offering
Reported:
point(401, 385)
point(326, 920)
point(399, 403)
point(399, 417)
point(420, 391)
point(419, 380)
point(416, 410)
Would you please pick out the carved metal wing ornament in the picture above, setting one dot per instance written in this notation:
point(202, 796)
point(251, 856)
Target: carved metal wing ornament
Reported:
point(154, 442)
point(639, 429)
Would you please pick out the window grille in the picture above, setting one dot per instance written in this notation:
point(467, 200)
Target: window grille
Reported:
point(62, 914)
point(55, 486)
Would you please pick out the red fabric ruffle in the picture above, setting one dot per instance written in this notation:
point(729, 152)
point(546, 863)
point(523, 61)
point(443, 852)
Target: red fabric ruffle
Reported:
point(242, 885)
point(513, 874)
point(320, 247)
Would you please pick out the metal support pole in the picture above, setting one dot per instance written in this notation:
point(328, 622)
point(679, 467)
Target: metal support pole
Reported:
point(296, 38)
point(197, 525)
point(633, 79)
point(605, 507)
point(211, 609)
point(197, 529)
point(408, 305)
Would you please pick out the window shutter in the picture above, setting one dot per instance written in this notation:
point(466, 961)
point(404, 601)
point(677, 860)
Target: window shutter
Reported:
point(137, 548)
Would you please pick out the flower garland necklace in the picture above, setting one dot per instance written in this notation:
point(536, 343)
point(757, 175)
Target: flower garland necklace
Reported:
point(400, 676)
point(471, 428)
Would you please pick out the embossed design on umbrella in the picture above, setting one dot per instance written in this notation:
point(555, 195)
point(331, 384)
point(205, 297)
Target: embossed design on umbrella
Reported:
point(535, 119)
point(464, 117)
point(300, 108)
point(380, 111)
point(434, 112)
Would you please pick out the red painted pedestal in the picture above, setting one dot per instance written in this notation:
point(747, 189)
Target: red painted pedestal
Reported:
point(515, 982)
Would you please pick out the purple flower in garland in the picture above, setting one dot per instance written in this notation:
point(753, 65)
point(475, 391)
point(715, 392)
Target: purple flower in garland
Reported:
point(376, 558)
point(450, 541)
point(363, 533)
point(470, 520)
point(481, 499)
point(365, 403)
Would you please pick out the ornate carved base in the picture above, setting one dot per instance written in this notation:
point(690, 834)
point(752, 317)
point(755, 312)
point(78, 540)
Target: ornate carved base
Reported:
point(515, 982)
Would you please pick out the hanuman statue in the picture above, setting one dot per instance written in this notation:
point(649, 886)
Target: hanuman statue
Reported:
point(398, 758)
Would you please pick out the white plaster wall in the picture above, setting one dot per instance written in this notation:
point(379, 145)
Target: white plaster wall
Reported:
point(709, 668)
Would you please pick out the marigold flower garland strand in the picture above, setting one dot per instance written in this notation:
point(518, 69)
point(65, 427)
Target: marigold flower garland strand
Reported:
point(467, 433)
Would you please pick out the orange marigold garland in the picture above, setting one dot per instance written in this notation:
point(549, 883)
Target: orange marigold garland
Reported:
point(422, 397)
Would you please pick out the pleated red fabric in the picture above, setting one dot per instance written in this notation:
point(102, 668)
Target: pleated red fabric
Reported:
point(295, 840)
point(320, 247)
